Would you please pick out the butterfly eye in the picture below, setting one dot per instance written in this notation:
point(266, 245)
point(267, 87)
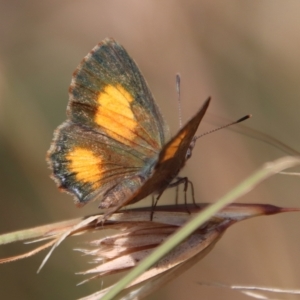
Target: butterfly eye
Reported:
point(190, 148)
point(188, 153)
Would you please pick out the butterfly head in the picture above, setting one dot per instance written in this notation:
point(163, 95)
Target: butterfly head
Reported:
point(190, 148)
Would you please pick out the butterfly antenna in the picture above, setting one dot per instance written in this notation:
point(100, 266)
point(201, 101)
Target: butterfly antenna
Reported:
point(178, 99)
point(224, 126)
point(260, 136)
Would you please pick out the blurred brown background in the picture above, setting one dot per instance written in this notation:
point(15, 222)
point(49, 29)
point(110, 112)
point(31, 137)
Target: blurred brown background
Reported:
point(245, 54)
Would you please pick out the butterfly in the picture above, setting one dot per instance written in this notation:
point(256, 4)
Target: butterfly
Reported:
point(115, 146)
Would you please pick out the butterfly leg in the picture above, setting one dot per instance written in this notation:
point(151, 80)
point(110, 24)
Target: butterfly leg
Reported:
point(152, 207)
point(186, 182)
point(154, 203)
point(193, 193)
point(177, 191)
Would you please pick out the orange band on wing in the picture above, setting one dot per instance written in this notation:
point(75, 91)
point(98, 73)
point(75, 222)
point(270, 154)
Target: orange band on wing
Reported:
point(173, 147)
point(86, 165)
point(115, 115)
point(116, 99)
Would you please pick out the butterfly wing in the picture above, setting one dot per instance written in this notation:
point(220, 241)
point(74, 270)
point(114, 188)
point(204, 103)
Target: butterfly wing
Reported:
point(109, 94)
point(171, 159)
point(114, 128)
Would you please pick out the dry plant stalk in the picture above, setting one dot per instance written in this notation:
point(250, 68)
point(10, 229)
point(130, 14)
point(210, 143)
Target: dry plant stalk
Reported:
point(138, 236)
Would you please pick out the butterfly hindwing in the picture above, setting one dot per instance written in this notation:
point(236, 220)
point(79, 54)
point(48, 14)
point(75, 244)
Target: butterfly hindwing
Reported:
point(84, 164)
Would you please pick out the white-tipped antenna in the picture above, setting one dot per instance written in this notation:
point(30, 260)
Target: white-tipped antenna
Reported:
point(224, 126)
point(178, 99)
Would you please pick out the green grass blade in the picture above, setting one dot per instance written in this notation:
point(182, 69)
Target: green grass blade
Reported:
point(266, 171)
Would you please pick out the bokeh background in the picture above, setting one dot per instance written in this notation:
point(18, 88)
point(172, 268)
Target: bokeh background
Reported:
point(245, 54)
